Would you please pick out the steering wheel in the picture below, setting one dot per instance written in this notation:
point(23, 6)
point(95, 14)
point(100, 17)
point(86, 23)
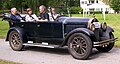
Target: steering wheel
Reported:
point(59, 17)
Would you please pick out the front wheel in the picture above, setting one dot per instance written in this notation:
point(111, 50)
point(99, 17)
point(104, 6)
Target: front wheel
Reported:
point(107, 47)
point(15, 41)
point(80, 46)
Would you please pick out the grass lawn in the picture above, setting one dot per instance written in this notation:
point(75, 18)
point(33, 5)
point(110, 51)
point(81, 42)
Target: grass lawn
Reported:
point(3, 28)
point(112, 20)
point(6, 62)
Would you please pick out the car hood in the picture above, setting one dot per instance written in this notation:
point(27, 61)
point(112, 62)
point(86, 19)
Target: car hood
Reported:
point(74, 20)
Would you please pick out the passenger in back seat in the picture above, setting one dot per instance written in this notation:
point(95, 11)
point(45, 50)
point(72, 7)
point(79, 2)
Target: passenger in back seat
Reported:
point(31, 17)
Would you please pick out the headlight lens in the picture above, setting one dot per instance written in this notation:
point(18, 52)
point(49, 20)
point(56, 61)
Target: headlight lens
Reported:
point(97, 24)
point(104, 26)
point(92, 27)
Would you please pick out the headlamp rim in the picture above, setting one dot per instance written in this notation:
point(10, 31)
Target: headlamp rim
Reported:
point(92, 27)
point(104, 26)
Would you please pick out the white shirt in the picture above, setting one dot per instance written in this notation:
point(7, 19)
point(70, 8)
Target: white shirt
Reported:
point(54, 15)
point(31, 18)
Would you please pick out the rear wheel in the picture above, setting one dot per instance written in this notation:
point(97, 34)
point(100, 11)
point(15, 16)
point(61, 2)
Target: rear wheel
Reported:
point(107, 47)
point(79, 45)
point(15, 41)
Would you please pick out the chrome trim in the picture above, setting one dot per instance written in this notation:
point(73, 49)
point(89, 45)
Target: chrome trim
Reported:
point(66, 19)
point(97, 24)
point(104, 25)
point(63, 28)
point(41, 45)
point(104, 42)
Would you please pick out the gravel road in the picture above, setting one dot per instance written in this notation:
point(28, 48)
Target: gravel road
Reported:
point(38, 55)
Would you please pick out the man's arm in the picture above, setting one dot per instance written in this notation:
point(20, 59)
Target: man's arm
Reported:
point(22, 18)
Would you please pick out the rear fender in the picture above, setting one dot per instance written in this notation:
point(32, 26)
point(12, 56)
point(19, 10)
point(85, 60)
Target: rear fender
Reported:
point(17, 29)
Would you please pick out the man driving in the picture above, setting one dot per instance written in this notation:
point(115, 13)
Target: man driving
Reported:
point(43, 15)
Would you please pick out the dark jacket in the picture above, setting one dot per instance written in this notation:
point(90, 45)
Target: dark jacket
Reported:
point(44, 16)
point(16, 17)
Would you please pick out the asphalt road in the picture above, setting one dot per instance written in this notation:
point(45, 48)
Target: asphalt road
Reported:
point(38, 55)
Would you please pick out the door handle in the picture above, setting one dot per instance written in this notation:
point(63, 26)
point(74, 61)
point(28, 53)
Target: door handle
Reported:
point(38, 25)
point(22, 25)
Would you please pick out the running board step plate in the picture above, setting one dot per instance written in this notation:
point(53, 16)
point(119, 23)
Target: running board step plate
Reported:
point(41, 45)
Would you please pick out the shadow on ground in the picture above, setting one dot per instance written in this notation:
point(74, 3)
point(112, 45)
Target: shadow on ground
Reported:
point(64, 51)
point(61, 51)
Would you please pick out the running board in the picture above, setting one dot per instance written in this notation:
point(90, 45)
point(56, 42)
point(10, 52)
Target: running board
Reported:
point(41, 45)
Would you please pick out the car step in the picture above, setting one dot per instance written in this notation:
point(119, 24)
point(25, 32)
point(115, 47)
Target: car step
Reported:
point(41, 45)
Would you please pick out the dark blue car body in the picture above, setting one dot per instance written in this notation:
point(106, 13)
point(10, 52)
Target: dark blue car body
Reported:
point(79, 34)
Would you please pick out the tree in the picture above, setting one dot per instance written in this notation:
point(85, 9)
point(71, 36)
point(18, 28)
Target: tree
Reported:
point(0, 4)
point(115, 4)
point(107, 1)
point(34, 4)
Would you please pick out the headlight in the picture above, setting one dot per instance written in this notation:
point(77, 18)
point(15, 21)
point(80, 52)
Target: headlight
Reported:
point(97, 24)
point(92, 27)
point(104, 26)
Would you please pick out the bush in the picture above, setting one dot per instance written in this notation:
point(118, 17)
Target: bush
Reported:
point(75, 9)
point(4, 11)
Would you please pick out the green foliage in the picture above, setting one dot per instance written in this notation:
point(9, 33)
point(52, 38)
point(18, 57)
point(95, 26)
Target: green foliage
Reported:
point(75, 9)
point(34, 4)
point(0, 4)
point(6, 62)
point(5, 11)
point(54, 3)
point(106, 1)
point(3, 28)
point(73, 3)
point(115, 4)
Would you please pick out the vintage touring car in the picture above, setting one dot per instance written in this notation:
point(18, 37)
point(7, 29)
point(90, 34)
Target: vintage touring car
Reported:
point(80, 35)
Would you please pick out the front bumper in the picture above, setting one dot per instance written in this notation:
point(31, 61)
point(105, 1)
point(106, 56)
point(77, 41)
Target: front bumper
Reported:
point(105, 42)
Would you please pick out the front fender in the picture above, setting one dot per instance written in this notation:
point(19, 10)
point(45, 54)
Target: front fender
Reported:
point(82, 30)
point(106, 33)
point(109, 29)
point(85, 31)
point(19, 30)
